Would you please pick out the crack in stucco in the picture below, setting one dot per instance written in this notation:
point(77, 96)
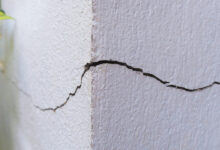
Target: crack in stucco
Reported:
point(135, 69)
point(12, 82)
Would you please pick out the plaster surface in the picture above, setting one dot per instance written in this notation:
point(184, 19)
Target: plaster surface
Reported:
point(179, 42)
point(51, 45)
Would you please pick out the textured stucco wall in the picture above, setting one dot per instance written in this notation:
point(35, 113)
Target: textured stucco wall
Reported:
point(51, 45)
point(178, 41)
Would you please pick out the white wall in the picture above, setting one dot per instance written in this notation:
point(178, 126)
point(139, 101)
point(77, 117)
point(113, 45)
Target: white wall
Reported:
point(52, 43)
point(175, 40)
point(178, 41)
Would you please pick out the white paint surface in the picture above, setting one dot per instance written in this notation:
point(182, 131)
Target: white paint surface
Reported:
point(52, 43)
point(176, 40)
point(179, 41)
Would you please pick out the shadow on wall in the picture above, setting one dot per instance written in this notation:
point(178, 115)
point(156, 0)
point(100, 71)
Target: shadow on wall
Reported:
point(8, 93)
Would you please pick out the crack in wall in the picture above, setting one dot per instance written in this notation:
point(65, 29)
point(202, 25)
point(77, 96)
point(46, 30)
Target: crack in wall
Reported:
point(135, 69)
point(12, 82)
point(18, 88)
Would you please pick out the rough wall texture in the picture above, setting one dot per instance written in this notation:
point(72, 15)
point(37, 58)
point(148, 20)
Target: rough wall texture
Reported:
point(179, 42)
point(152, 42)
point(52, 43)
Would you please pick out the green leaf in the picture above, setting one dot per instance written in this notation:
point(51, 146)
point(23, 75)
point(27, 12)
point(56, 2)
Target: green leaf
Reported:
point(3, 16)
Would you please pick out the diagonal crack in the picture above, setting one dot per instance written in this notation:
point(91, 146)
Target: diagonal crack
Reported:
point(12, 82)
point(135, 69)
